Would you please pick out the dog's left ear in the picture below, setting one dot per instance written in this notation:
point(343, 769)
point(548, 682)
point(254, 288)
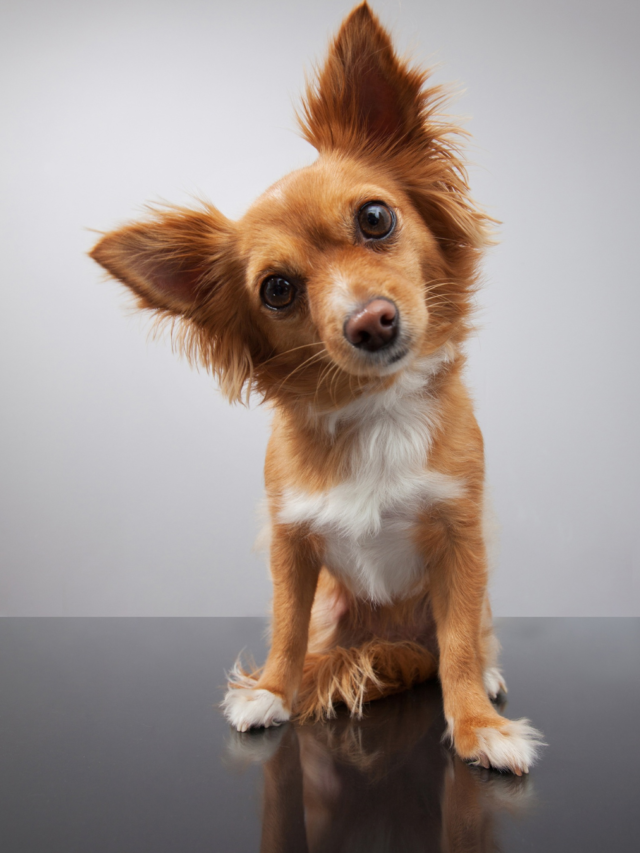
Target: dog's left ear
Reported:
point(364, 100)
point(368, 104)
point(182, 266)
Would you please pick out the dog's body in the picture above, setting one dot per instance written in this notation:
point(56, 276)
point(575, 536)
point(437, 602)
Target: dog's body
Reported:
point(343, 297)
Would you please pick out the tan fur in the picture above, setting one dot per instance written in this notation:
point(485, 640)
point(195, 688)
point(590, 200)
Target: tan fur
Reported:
point(360, 674)
point(374, 122)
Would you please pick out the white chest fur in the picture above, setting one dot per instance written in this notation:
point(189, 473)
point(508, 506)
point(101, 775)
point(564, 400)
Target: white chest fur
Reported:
point(368, 520)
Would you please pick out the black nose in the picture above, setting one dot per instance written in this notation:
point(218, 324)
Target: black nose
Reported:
point(373, 327)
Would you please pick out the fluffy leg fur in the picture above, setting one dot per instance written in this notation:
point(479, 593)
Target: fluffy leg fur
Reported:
point(349, 676)
point(360, 674)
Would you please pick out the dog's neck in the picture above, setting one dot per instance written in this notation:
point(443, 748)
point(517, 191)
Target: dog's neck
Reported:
point(387, 395)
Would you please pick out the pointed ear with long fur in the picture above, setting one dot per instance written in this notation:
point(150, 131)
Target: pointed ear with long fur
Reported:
point(181, 265)
point(364, 98)
point(369, 104)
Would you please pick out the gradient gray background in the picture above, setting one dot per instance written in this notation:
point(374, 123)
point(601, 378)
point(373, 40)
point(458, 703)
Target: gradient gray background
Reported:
point(127, 485)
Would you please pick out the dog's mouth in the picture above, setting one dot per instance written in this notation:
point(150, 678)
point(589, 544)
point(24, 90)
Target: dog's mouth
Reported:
point(381, 362)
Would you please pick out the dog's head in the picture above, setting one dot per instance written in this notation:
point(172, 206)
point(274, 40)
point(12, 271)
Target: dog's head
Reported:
point(343, 273)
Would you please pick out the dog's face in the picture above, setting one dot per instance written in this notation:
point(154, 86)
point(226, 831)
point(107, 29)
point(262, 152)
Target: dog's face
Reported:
point(342, 272)
point(337, 265)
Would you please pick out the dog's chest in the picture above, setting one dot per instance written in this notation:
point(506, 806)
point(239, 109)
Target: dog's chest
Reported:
point(368, 521)
point(380, 563)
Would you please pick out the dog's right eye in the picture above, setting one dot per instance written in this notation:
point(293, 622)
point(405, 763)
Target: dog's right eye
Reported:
point(277, 293)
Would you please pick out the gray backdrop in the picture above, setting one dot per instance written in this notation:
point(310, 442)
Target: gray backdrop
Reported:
point(128, 486)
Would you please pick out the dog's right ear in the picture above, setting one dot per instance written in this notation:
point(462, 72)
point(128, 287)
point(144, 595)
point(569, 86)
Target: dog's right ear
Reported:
point(181, 264)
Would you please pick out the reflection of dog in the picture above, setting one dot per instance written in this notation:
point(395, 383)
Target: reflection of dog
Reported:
point(381, 783)
point(343, 297)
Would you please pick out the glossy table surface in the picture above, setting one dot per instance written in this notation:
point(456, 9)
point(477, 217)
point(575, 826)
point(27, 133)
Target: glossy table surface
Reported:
point(111, 740)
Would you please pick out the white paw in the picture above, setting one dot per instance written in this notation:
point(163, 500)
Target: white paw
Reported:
point(252, 707)
point(494, 682)
point(514, 747)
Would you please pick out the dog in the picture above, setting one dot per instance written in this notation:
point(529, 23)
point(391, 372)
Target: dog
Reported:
point(343, 298)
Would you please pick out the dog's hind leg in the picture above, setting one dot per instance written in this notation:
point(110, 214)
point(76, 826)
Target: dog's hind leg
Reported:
point(359, 674)
point(356, 655)
point(492, 676)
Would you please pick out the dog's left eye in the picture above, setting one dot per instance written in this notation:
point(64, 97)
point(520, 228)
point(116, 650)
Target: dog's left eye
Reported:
point(277, 293)
point(376, 220)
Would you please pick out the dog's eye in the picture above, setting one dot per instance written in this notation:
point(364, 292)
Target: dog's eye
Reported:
point(277, 292)
point(376, 220)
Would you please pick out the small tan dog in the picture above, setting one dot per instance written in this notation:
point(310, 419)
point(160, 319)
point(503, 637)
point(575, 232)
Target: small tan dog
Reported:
point(343, 297)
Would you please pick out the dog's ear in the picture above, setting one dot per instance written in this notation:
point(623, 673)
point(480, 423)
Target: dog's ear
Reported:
point(171, 260)
point(368, 104)
point(364, 99)
point(181, 265)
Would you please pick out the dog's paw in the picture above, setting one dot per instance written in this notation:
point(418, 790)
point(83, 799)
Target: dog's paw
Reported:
point(494, 682)
point(511, 746)
point(253, 707)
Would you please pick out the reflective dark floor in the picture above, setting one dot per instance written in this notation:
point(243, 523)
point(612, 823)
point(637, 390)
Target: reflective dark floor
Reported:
point(111, 741)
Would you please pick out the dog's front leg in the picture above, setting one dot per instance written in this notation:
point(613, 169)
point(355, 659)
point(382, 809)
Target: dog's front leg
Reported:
point(268, 701)
point(458, 588)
